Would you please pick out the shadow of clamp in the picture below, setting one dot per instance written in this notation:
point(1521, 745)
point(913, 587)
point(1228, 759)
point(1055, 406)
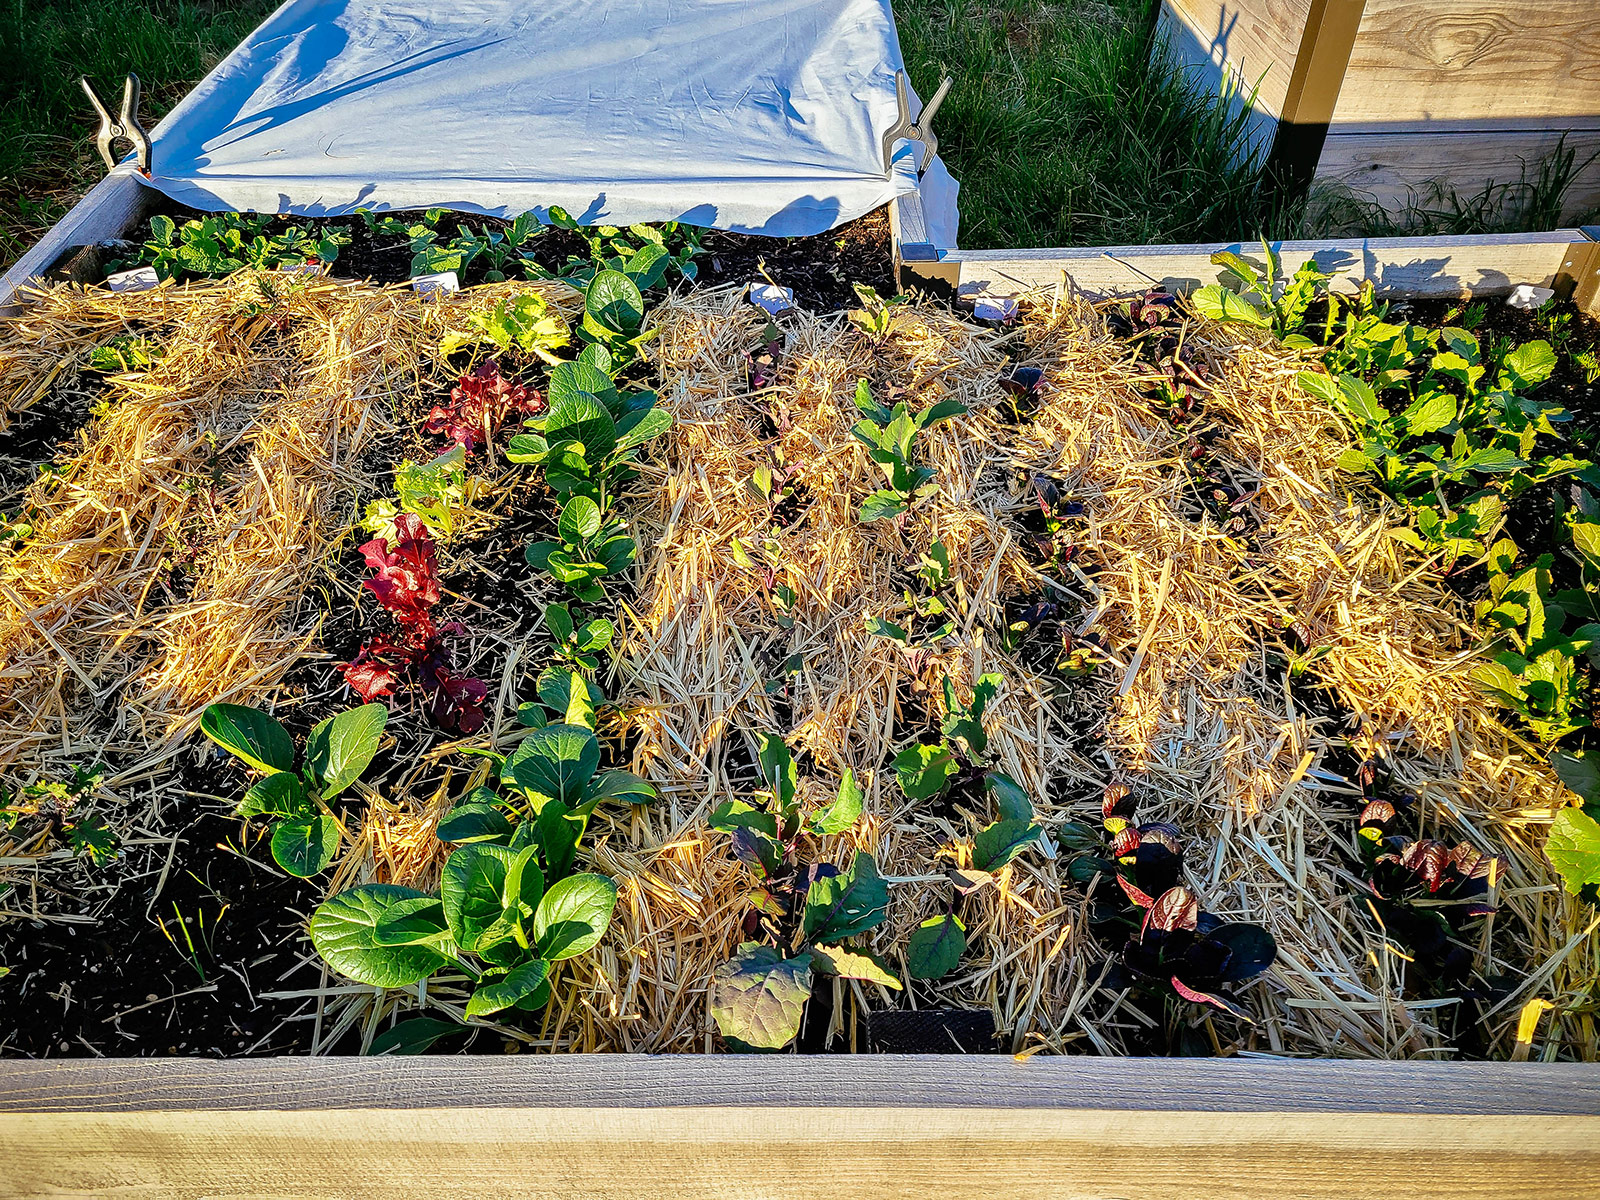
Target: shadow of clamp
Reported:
point(124, 127)
point(920, 131)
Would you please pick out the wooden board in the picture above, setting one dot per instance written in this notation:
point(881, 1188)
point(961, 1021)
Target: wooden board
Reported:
point(1482, 60)
point(1257, 40)
point(780, 1127)
point(106, 211)
point(1395, 168)
point(1454, 267)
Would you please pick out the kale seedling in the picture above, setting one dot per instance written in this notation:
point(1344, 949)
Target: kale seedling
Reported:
point(890, 437)
point(578, 646)
point(305, 833)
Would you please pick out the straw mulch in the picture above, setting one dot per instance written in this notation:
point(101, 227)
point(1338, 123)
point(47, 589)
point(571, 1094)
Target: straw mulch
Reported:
point(1189, 706)
point(177, 554)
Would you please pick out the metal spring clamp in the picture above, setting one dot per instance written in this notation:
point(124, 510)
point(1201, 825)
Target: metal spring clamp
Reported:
point(921, 131)
point(125, 126)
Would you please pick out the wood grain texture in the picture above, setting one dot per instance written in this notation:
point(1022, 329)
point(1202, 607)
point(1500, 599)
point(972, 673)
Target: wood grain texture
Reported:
point(638, 1128)
point(1428, 267)
point(1258, 39)
point(1392, 167)
point(1418, 60)
point(108, 210)
point(822, 1081)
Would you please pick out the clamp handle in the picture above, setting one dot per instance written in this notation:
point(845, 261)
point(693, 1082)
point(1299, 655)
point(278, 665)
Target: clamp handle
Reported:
point(125, 126)
point(921, 130)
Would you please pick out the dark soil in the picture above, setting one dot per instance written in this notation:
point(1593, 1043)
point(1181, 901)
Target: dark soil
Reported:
point(820, 268)
point(37, 433)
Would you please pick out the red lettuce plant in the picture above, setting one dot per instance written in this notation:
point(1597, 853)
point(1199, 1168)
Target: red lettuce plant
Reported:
point(479, 405)
point(405, 582)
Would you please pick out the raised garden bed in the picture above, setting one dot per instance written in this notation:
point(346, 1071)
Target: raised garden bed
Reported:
point(1143, 637)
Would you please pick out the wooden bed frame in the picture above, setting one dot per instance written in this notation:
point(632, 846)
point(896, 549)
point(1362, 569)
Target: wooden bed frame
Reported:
point(837, 1127)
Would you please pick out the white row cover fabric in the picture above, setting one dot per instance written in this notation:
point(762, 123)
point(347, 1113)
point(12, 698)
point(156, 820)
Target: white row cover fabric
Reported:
point(761, 116)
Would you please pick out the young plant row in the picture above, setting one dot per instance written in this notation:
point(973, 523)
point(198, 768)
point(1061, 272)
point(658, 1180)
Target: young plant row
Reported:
point(1452, 428)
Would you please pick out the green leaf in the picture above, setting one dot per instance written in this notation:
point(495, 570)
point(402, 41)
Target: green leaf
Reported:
point(518, 984)
point(1529, 365)
point(472, 889)
point(250, 734)
point(1429, 413)
point(1581, 775)
point(737, 814)
point(580, 520)
point(778, 770)
point(880, 505)
point(340, 748)
point(924, 771)
point(1359, 400)
point(937, 945)
point(573, 916)
point(558, 831)
point(277, 795)
point(303, 846)
point(1493, 461)
point(998, 844)
point(1218, 303)
point(638, 430)
point(556, 761)
point(843, 811)
point(1574, 848)
point(585, 421)
point(759, 997)
point(415, 922)
point(412, 1037)
point(623, 786)
point(474, 822)
point(613, 301)
point(1354, 462)
point(1010, 797)
point(343, 930)
point(844, 905)
point(943, 410)
point(852, 964)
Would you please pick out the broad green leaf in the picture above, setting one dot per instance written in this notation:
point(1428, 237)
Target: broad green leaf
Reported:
point(1586, 540)
point(474, 822)
point(612, 300)
point(558, 831)
point(1493, 460)
point(998, 844)
point(852, 964)
point(573, 916)
point(580, 709)
point(341, 747)
point(881, 505)
point(1429, 413)
point(250, 734)
point(648, 266)
point(935, 947)
point(843, 811)
point(303, 846)
point(575, 380)
point(1529, 365)
point(555, 761)
point(518, 984)
point(1315, 383)
point(924, 771)
point(759, 997)
point(622, 786)
point(585, 421)
point(415, 922)
point(778, 770)
point(555, 692)
point(1574, 848)
point(1581, 775)
point(412, 1037)
point(1359, 401)
point(737, 814)
point(846, 904)
point(1218, 303)
point(638, 430)
point(472, 889)
point(343, 930)
point(580, 520)
point(1010, 797)
point(943, 410)
point(277, 795)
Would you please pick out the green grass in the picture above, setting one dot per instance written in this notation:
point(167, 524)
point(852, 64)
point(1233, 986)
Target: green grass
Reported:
point(47, 127)
point(1057, 127)
point(1061, 134)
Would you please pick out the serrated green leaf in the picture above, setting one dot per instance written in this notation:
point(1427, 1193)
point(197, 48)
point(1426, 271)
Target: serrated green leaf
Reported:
point(843, 811)
point(1574, 848)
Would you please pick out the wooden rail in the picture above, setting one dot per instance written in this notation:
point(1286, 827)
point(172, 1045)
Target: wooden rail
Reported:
point(108, 210)
point(642, 1128)
point(1421, 268)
